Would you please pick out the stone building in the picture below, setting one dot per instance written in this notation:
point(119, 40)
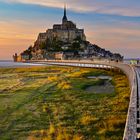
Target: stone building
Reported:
point(64, 41)
point(59, 55)
point(66, 32)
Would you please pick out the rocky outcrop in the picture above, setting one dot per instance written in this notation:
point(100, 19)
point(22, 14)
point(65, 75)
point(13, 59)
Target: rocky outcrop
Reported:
point(65, 41)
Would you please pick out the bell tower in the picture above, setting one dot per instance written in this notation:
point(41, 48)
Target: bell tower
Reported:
point(65, 15)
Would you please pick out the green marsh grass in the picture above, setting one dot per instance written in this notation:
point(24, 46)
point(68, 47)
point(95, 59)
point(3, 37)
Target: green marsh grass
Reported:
point(51, 103)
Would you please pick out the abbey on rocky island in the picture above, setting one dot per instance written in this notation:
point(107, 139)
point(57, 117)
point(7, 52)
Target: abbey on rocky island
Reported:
point(64, 41)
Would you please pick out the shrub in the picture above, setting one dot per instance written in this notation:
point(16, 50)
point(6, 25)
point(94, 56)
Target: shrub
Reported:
point(52, 129)
point(64, 85)
point(86, 119)
point(78, 73)
point(52, 78)
point(77, 137)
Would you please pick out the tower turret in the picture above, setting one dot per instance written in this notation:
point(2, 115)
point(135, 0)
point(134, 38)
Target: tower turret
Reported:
point(65, 15)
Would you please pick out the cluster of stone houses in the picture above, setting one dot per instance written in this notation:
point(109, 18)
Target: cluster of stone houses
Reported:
point(91, 52)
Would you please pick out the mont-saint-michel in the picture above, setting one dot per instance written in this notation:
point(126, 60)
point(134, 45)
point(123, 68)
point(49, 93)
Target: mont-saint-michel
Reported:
point(65, 87)
point(64, 41)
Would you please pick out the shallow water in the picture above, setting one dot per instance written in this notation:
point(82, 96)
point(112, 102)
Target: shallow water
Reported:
point(100, 77)
point(107, 88)
point(16, 64)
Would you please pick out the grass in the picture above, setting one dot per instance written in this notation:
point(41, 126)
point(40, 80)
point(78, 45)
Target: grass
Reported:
point(51, 103)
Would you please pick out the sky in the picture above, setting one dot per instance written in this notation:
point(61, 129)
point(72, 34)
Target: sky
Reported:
point(111, 24)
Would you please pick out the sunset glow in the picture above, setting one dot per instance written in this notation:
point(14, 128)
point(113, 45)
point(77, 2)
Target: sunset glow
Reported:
point(112, 25)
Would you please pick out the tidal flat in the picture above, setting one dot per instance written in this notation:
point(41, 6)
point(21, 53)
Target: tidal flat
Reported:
point(52, 103)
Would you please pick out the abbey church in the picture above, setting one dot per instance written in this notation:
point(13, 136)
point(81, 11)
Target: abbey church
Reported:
point(66, 32)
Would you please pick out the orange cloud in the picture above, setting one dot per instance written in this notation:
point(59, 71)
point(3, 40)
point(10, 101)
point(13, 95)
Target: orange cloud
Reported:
point(15, 37)
point(122, 40)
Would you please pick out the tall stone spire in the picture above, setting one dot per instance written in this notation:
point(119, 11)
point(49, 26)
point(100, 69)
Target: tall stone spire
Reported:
point(65, 15)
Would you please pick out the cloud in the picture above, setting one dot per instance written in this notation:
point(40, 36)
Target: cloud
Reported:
point(121, 7)
point(115, 34)
point(122, 31)
point(15, 37)
point(124, 40)
point(18, 29)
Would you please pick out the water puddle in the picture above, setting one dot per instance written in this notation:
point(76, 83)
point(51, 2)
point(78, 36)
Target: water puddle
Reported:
point(100, 77)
